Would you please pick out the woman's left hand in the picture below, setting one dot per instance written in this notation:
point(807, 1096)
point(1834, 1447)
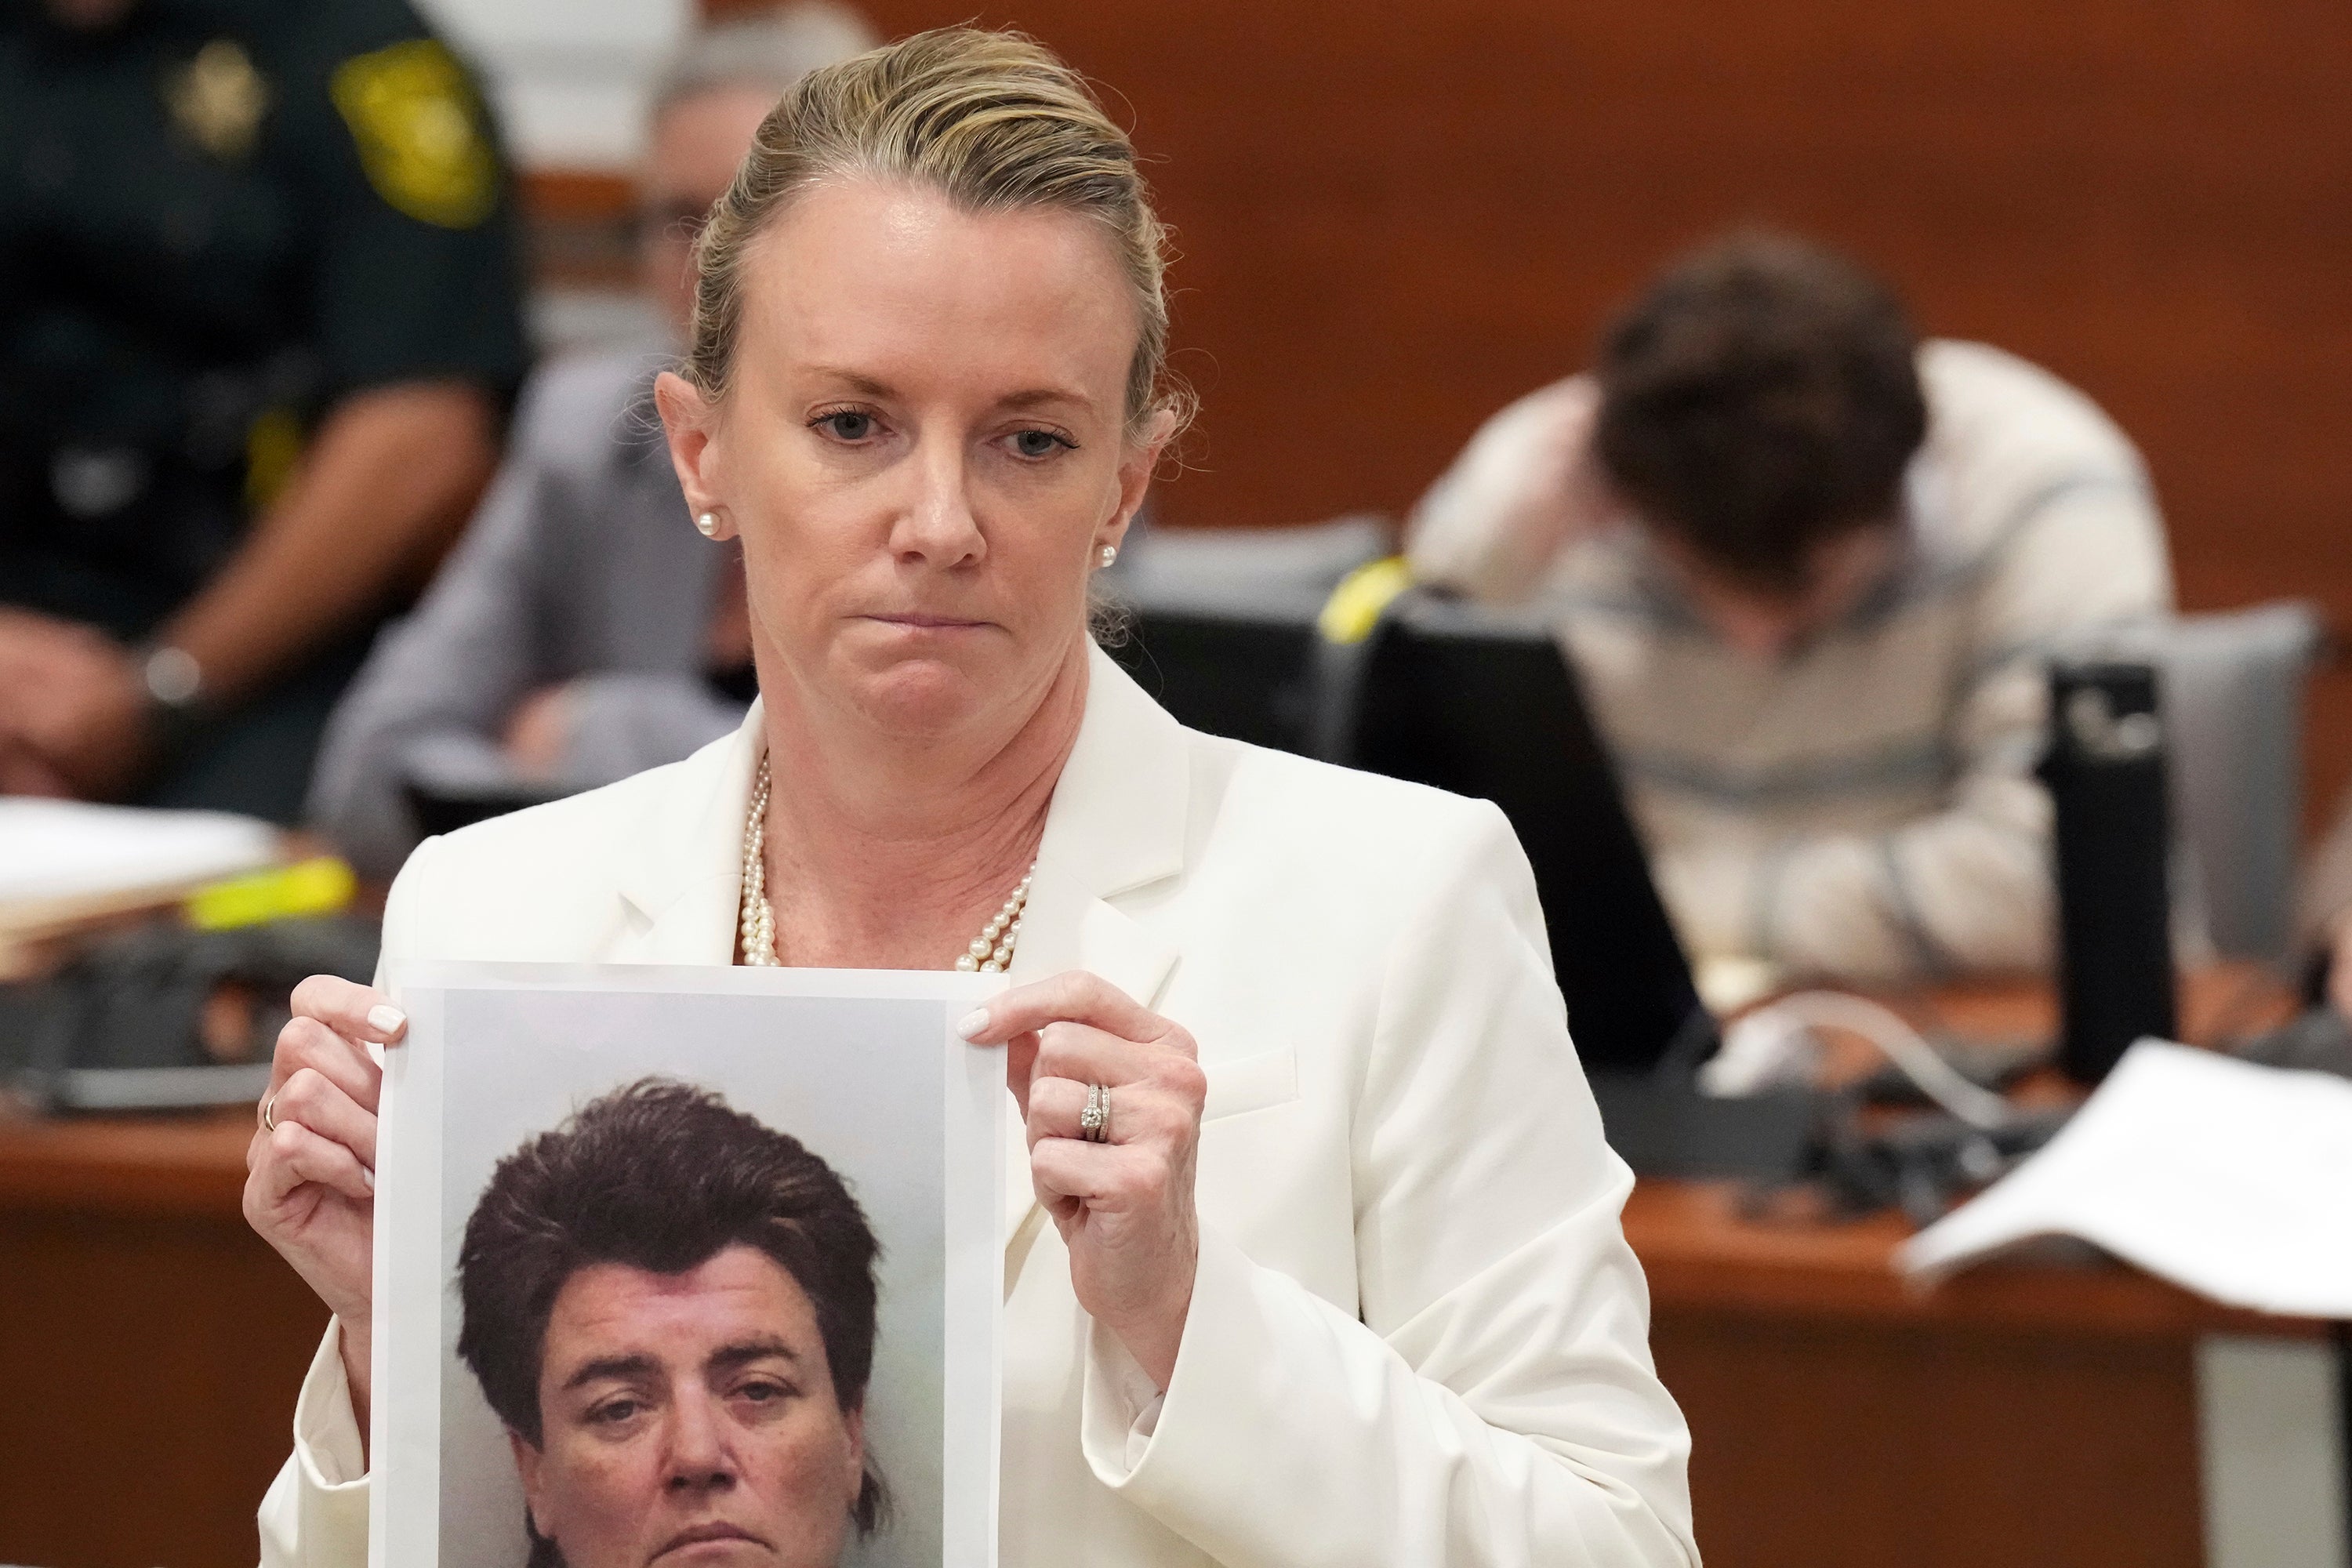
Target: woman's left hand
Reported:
point(1124, 1206)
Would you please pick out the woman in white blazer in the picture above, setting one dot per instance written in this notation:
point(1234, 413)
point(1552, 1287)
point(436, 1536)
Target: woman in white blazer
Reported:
point(1318, 1260)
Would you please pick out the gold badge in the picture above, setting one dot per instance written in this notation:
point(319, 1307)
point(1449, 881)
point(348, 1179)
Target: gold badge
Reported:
point(218, 99)
point(412, 111)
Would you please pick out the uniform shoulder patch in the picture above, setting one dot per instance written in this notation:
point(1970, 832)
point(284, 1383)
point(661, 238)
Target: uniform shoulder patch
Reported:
point(419, 130)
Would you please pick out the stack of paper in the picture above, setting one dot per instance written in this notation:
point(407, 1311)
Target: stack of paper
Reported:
point(2227, 1178)
point(64, 862)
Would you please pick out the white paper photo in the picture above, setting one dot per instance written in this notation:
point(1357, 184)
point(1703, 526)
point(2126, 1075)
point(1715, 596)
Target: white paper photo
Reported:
point(677, 1265)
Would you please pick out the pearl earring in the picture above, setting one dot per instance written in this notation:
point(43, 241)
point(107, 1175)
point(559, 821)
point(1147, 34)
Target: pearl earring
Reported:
point(1110, 553)
point(708, 521)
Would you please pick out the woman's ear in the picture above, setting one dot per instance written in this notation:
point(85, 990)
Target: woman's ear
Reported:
point(690, 424)
point(1137, 463)
point(527, 1459)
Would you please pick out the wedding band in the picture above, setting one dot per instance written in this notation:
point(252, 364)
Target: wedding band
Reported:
point(1094, 1121)
point(269, 1102)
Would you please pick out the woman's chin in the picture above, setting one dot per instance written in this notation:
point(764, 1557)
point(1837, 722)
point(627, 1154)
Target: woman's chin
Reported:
point(919, 697)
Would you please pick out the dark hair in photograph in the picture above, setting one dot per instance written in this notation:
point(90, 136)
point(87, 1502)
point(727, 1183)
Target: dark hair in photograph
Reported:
point(660, 1176)
point(1761, 396)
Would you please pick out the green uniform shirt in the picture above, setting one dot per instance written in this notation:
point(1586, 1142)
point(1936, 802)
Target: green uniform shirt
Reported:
point(218, 218)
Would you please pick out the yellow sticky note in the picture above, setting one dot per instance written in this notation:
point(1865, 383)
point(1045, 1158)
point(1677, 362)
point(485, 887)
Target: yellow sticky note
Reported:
point(315, 886)
point(1354, 608)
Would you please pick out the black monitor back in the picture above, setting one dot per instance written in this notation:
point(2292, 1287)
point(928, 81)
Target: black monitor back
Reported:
point(440, 807)
point(1248, 676)
point(1444, 694)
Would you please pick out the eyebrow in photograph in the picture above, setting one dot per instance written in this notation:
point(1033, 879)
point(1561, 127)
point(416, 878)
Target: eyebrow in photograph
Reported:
point(620, 1368)
point(743, 1353)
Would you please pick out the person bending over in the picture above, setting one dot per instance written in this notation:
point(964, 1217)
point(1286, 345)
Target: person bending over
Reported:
point(671, 1307)
point(582, 630)
point(1808, 568)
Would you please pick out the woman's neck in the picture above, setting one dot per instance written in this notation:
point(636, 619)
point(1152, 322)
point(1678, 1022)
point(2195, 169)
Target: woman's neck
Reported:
point(884, 853)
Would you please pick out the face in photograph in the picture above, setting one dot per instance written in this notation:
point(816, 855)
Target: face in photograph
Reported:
point(671, 1307)
point(690, 1419)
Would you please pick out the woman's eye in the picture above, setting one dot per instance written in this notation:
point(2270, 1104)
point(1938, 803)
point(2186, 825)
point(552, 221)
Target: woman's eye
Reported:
point(1039, 443)
point(846, 425)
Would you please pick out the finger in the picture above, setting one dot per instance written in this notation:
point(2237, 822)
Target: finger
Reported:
point(1072, 996)
point(1113, 1177)
point(297, 1157)
point(1137, 1113)
point(1091, 1056)
point(1054, 1107)
point(311, 1099)
point(1166, 1068)
point(308, 1043)
point(354, 1011)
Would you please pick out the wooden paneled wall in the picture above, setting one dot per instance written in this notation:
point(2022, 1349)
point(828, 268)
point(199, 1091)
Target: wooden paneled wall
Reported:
point(1395, 219)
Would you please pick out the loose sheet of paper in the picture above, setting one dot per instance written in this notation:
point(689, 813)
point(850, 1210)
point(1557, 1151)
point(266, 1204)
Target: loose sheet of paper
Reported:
point(2231, 1179)
point(63, 849)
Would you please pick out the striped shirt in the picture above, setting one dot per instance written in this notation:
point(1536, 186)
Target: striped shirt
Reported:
point(1864, 808)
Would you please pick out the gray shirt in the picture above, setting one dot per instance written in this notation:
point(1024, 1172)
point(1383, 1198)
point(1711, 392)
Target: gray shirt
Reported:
point(581, 566)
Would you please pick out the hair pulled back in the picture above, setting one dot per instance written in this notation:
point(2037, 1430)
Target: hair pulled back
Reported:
point(992, 121)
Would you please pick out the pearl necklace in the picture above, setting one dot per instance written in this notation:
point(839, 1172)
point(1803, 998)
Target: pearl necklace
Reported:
point(990, 952)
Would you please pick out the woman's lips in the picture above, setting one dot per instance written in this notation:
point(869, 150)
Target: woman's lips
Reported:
point(696, 1535)
point(918, 621)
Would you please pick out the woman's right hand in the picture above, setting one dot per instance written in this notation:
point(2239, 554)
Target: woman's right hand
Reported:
point(310, 1186)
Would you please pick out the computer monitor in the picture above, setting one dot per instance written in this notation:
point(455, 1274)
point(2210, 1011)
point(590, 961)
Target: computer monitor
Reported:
point(1220, 622)
point(439, 806)
point(1248, 676)
point(1444, 693)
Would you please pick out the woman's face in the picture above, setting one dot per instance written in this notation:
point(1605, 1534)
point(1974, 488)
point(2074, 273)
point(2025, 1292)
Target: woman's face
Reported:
point(924, 448)
point(690, 1419)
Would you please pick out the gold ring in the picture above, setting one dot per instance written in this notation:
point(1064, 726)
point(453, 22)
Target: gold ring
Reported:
point(269, 1102)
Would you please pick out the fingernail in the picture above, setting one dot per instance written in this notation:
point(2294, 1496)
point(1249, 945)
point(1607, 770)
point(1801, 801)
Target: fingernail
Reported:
point(386, 1018)
point(971, 1025)
point(368, 1176)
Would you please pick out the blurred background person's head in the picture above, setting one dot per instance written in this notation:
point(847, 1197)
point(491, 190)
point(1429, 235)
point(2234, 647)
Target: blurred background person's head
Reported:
point(671, 1307)
point(705, 108)
point(1759, 404)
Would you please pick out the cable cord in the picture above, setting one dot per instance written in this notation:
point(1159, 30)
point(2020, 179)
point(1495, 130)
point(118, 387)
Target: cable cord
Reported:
point(1763, 1042)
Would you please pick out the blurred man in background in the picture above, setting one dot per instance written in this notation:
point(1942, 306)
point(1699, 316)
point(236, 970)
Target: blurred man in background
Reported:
point(583, 631)
point(258, 322)
point(1808, 568)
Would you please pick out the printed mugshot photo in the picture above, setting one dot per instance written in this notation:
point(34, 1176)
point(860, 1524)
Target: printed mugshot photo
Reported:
point(691, 1255)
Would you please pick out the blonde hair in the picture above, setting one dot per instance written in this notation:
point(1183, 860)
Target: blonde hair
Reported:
point(992, 121)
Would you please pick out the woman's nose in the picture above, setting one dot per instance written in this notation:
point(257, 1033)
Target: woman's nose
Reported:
point(936, 526)
point(698, 1455)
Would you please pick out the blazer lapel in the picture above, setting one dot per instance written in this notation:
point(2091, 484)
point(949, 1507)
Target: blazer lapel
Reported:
point(1117, 825)
point(681, 880)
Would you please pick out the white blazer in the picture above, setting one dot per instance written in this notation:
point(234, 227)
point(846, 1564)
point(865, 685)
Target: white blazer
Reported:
point(1417, 1336)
